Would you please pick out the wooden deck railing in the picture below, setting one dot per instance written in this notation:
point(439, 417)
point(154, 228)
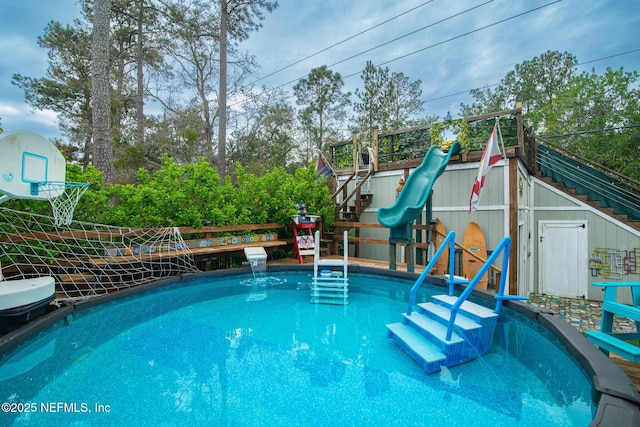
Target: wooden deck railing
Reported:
point(342, 225)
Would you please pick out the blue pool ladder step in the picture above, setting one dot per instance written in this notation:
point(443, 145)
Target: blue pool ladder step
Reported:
point(422, 333)
point(427, 354)
point(330, 283)
point(476, 312)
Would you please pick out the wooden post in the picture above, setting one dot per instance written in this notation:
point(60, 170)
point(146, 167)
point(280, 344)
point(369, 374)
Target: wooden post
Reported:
point(513, 204)
point(354, 139)
point(533, 153)
point(332, 153)
point(375, 149)
point(513, 226)
point(420, 258)
point(409, 256)
point(520, 125)
point(392, 255)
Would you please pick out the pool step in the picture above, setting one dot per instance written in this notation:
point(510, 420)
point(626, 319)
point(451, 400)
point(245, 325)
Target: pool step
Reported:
point(422, 333)
point(476, 312)
point(420, 349)
point(330, 290)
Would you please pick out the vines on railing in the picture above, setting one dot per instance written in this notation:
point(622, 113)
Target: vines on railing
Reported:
point(412, 143)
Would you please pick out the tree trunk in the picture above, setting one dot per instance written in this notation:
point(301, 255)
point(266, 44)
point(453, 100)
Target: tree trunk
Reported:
point(100, 96)
point(222, 93)
point(139, 94)
point(88, 149)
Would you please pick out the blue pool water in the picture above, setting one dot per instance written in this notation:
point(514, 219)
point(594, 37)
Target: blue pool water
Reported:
point(203, 353)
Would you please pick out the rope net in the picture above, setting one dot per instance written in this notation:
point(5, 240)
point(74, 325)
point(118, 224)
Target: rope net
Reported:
point(87, 259)
point(64, 197)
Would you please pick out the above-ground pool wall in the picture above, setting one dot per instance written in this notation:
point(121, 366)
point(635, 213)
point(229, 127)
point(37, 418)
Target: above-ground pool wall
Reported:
point(610, 252)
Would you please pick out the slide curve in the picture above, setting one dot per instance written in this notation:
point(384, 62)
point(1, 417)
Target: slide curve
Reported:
point(417, 188)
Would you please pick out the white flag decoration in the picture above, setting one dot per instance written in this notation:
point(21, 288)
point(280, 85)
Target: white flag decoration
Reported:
point(490, 157)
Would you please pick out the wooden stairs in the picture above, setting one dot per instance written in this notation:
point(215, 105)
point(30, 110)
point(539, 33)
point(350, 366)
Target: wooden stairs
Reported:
point(595, 185)
point(361, 193)
point(353, 203)
point(361, 200)
point(585, 199)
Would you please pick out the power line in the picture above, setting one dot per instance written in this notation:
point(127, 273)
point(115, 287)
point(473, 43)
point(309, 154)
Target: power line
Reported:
point(467, 33)
point(587, 132)
point(610, 56)
point(498, 84)
point(430, 46)
point(342, 41)
point(368, 50)
point(446, 41)
point(457, 37)
point(435, 44)
point(411, 33)
point(459, 93)
point(442, 20)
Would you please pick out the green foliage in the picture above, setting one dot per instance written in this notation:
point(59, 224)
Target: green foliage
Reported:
point(371, 109)
point(187, 195)
point(406, 145)
point(459, 127)
point(479, 132)
point(343, 156)
point(271, 198)
point(323, 103)
point(536, 83)
point(91, 204)
point(268, 142)
point(595, 116)
point(388, 100)
point(588, 114)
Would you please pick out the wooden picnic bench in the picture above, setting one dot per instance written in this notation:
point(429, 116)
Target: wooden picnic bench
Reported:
point(202, 242)
point(231, 245)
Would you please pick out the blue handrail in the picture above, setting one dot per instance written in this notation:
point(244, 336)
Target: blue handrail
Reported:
point(504, 245)
point(450, 240)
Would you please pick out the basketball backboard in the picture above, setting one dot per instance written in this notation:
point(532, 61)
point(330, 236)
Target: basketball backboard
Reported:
point(27, 159)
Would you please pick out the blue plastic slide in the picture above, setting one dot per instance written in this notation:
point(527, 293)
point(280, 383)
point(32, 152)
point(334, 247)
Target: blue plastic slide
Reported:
point(417, 188)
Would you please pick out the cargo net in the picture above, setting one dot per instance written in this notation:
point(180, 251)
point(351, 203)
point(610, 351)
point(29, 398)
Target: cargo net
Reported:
point(87, 259)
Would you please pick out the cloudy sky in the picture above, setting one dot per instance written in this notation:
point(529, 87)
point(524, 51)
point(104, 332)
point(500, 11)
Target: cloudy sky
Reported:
point(451, 46)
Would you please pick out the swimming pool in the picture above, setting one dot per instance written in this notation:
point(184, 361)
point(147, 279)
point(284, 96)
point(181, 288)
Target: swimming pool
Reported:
point(201, 352)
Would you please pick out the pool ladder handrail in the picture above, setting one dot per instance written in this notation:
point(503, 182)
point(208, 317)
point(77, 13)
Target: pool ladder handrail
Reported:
point(450, 241)
point(504, 245)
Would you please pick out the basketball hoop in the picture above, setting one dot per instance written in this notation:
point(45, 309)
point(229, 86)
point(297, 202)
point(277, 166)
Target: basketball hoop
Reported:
point(64, 197)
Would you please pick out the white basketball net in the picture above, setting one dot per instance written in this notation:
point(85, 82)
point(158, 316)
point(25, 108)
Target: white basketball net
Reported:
point(64, 197)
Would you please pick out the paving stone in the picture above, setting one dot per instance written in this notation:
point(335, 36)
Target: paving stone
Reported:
point(583, 314)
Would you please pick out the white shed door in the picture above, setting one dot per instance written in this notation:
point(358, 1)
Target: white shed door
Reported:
point(563, 258)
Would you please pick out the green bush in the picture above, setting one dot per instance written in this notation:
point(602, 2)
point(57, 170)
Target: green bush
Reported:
point(188, 195)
